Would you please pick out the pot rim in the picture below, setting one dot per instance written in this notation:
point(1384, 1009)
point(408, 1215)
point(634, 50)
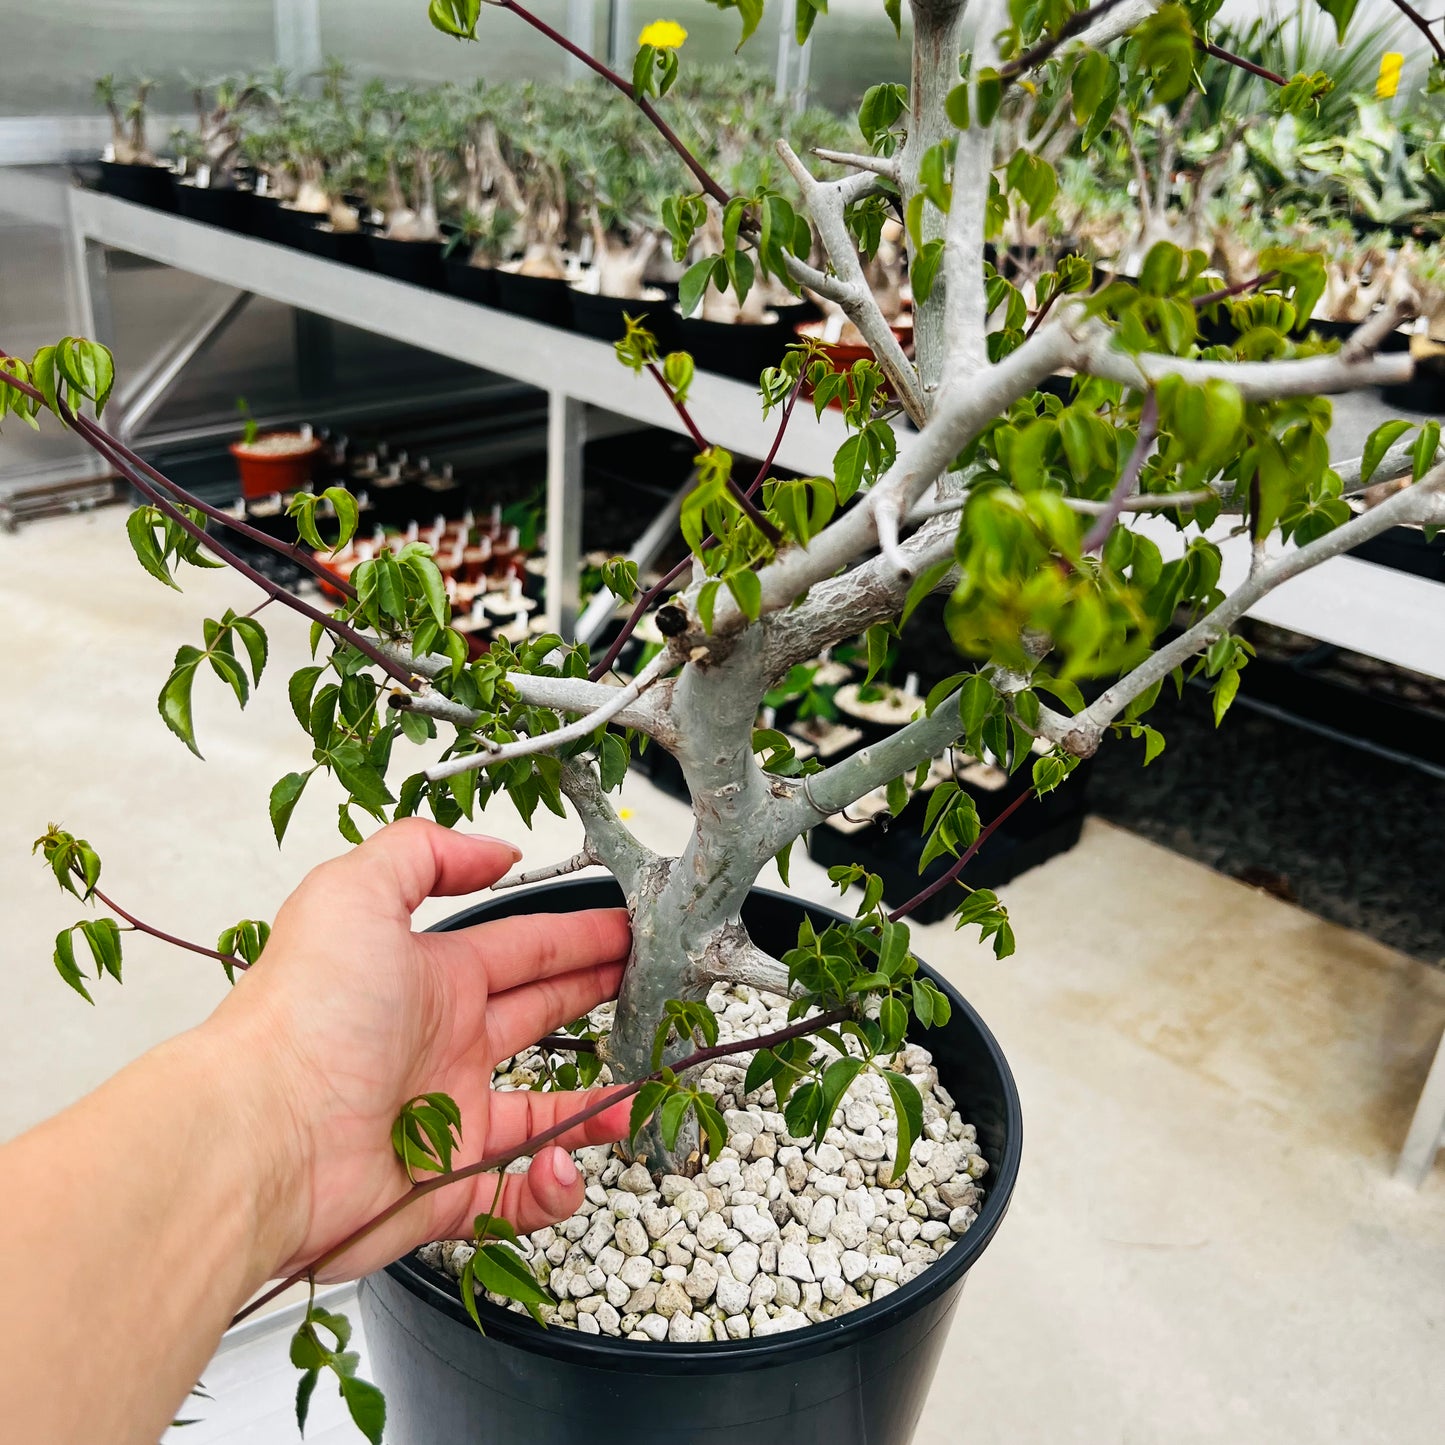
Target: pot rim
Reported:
point(604, 1351)
point(308, 449)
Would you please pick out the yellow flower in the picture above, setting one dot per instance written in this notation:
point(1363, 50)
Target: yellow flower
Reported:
point(624, 813)
point(664, 34)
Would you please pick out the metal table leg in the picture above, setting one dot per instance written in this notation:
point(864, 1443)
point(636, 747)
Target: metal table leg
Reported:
point(566, 436)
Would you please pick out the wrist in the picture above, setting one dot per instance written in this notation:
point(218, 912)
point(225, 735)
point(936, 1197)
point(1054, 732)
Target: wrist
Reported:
point(254, 1128)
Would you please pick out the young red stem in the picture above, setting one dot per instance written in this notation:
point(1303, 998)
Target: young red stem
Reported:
point(295, 552)
point(742, 498)
point(1423, 26)
point(601, 669)
point(1040, 314)
point(1238, 289)
point(641, 102)
point(1045, 48)
point(1230, 58)
point(964, 859)
point(566, 1044)
point(546, 1136)
point(130, 918)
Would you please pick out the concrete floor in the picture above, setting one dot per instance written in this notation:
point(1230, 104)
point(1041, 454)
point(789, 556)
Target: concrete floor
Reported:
point(1204, 1245)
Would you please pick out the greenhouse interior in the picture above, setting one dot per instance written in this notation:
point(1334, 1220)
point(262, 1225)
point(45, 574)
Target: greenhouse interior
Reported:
point(833, 622)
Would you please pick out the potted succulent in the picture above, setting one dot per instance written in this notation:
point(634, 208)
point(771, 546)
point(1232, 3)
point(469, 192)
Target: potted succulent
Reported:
point(535, 283)
point(130, 169)
point(824, 1136)
point(206, 187)
point(409, 161)
point(273, 462)
point(489, 201)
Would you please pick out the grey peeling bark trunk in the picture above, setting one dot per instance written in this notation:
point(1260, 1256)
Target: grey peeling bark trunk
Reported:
point(937, 31)
point(685, 909)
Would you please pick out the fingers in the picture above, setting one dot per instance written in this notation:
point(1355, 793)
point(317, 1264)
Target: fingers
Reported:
point(549, 1191)
point(521, 1016)
point(517, 1115)
point(416, 859)
point(515, 951)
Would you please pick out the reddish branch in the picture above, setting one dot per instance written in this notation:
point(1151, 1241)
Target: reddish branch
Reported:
point(293, 552)
point(546, 1136)
point(964, 859)
point(1238, 289)
point(102, 443)
point(1230, 58)
point(1045, 48)
point(230, 959)
point(602, 668)
point(640, 101)
point(742, 498)
point(1423, 26)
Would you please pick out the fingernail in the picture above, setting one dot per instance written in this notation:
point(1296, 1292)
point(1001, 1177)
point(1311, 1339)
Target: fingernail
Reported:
point(500, 842)
point(563, 1169)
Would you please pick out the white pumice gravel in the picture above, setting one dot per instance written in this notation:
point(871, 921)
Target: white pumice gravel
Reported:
point(776, 1233)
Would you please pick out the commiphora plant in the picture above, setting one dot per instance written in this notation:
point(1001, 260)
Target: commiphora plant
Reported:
point(968, 480)
point(128, 143)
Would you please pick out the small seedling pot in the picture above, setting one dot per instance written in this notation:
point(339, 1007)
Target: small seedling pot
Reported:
point(264, 472)
point(734, 348)
point(858, 1379)
point(348, 247)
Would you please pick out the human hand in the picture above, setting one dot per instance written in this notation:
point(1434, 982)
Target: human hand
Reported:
point(349, 1014)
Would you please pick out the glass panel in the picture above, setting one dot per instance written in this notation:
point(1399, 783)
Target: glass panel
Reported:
point(854, 47)
point(382, 37)
point(52, 50)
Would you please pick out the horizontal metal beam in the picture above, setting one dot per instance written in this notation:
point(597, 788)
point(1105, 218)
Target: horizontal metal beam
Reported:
point(728, 412)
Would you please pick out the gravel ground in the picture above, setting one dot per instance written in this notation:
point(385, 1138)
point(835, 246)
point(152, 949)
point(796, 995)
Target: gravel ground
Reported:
point(1345, 834)
point(777, 1233)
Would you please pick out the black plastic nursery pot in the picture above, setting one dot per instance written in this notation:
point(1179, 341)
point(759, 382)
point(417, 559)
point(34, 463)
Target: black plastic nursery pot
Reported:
point(419, 262)
point(734, 348)
point(859, 1379)
point(222, 206)
point(603, 317)
point(471, 283)
point(348, 247)
point(145, 185)
point(539, 298)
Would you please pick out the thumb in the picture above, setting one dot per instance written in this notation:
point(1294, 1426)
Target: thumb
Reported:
point(549, 1191)
point(421, 859)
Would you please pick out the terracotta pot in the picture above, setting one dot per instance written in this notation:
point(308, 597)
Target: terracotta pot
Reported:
point(843, 354)
point(263, 473)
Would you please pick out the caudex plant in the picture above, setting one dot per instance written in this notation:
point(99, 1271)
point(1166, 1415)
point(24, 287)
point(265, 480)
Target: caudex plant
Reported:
point(1019, 506)
point(128, 143)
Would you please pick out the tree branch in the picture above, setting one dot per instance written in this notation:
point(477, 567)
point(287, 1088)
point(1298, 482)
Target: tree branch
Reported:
point(230, 959)
point(1419, 503)
point(885, 166)
point(825, 202)
point(587, 858)
point(607, 835)
point(1128, 481)
point(618, 699)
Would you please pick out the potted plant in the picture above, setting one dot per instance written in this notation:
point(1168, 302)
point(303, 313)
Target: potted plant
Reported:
point(130, 169)
point(489, 201)
point(855, 1075)
point(206, 189)
point(409, 161)
point(274, 462)
point(535, 283)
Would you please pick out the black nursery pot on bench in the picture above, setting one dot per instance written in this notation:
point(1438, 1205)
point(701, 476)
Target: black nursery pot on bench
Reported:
point(859, 1379)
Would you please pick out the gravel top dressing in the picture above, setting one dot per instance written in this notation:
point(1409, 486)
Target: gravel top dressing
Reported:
point(776, 1233)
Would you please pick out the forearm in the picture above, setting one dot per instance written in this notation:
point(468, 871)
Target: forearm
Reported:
point(134, 1224)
